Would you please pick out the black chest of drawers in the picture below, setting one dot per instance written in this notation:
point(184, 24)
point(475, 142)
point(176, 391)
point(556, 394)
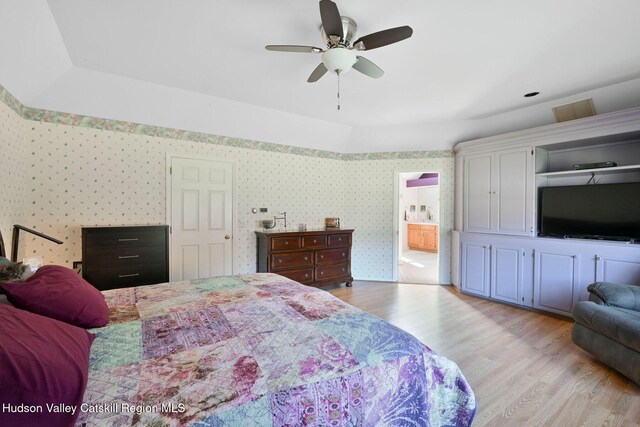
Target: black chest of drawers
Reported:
point(120, 257)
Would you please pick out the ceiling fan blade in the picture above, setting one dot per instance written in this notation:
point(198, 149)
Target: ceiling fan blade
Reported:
point(331, 20)
point(385, 37)
point(368, 68)
point(293, 48)
point(317, 73)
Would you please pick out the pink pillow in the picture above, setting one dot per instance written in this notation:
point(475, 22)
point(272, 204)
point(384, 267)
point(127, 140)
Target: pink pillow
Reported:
point(42, 361)
point(60, 293)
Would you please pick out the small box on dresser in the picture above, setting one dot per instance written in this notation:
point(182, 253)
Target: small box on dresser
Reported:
point(125, 256)
point(315, 258)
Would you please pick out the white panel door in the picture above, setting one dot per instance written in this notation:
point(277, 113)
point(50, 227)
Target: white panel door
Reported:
point(201, 218)
point(555, 281)
point(475, 269)
point(477, 193)
point(506, 273)
point(512, 195)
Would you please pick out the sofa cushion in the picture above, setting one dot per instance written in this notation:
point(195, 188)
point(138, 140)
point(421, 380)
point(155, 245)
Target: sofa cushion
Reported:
point(619, 324)
point(617, 295)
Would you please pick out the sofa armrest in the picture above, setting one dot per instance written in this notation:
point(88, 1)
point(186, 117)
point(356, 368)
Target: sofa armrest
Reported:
point(616, 295)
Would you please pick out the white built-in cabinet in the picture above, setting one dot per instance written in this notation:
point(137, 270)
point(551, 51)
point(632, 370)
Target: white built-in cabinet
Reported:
point(497, 183)
point(476, 268)
point(507, 272)
point(498, 191)
point(556, 280)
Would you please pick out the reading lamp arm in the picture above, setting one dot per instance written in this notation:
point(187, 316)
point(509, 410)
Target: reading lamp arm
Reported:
point(16, 235)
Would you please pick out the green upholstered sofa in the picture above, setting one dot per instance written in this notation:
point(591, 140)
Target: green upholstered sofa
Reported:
point(608, 326)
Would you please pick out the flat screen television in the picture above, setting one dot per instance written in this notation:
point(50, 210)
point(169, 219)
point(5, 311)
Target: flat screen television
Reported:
point(601, 211)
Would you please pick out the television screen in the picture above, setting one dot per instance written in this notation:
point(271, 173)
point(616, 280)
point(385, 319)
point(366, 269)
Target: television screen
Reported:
point(601, 211)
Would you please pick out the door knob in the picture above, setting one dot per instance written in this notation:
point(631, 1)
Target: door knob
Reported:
point(227, 237)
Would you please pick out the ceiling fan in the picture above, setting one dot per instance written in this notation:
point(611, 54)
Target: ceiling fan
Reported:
point(340, 54)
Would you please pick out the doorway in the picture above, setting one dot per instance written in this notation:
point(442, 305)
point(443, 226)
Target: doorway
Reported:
point(418, 222)
point(201, 218)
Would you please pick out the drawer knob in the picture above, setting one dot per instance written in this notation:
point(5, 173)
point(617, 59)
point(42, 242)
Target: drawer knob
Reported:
point(279, 260)
point(306, 258)
point(314, 240)
point(343, 269)
point(128, 240)
point(286, 242)
point(128, 275)
point(128, 256)
point(321, 256)
point(306, 275)
point(321, 273)
point(344, 254)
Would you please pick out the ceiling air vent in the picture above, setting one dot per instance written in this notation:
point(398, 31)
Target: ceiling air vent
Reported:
point(575, 110)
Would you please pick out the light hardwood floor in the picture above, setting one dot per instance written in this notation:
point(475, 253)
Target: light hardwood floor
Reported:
point(521, 364)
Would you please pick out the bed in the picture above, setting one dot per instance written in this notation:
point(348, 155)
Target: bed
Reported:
point(262, 350)
point(246, 350)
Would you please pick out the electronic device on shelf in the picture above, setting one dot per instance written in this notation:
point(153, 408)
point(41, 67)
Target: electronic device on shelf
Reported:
point(596, 165)
point(602, 211)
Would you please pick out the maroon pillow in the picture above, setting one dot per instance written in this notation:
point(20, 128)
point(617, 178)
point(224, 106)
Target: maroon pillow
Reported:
point(60, 293)
point(42, 362)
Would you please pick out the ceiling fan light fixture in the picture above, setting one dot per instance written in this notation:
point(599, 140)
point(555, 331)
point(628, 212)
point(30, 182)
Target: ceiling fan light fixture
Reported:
point(339, 59)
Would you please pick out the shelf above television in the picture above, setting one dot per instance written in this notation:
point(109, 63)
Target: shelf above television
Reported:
point(588, 172)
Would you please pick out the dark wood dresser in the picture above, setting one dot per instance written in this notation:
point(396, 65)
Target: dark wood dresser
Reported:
point(315, 258)
point(120, 257)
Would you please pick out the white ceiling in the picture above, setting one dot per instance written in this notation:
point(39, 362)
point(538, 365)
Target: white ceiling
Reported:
point(201, 65)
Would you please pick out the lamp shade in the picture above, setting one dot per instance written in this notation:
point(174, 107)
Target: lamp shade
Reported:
point(339, 59)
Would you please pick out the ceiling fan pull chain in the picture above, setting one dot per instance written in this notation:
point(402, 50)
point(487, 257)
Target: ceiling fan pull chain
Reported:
point(338, 72)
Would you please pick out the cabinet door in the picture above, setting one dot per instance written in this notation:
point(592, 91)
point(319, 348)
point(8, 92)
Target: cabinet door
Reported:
point(477, 193)
point(512, 193)
point(414, 238)
point(475, 269)
point(430, 238)
point(555, 280)
point(506, 273)
point(618, 268)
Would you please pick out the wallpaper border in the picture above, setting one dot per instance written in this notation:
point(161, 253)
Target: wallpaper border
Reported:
point(79, 120)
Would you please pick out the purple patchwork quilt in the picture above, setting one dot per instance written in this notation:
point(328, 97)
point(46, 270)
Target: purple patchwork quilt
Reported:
point(262, 350)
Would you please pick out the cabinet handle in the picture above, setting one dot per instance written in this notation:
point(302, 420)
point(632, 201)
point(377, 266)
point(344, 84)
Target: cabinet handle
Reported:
point(128, 256)
point(339, 239)
point(128, 240)
point(343, 254)
point(128, 275)
point(279, 260)
point(343, 269)
point(286, 242)
point(321, 256)
point(321, 273)
point(306, 258)
point(306, 275)
point(314, 241)
point(598, 258)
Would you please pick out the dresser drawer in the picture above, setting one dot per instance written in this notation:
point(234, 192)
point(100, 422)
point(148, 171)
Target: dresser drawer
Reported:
point(111, 278)
point(303, 276)
point(339, 239)
point(328, 256)
point(123, 236)
point(285, 243)
point(287, 261)
point(330, 271)
point(105, 257)
point(314, 241)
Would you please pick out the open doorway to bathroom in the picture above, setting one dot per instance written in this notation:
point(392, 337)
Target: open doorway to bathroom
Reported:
point(418, 227)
